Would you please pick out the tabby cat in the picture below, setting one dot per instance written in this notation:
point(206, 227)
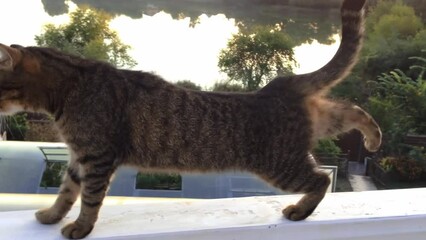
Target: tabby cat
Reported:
point(110, 117)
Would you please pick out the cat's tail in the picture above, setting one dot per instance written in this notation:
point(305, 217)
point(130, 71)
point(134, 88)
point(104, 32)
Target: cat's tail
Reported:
point(338, 68)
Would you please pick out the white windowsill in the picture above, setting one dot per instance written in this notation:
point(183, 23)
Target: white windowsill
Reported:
point(395, 214)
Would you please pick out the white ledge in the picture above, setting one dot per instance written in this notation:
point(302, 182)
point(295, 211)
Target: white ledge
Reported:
point(394, 214)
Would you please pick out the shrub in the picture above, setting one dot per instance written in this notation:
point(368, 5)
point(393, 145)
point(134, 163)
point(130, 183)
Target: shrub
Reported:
point(327, 147)
point(399, 105)
point(16, 127)
point(158, 181)
point(407, 168)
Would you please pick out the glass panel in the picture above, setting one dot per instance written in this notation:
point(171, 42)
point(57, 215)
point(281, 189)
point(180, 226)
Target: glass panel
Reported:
point(56, 165)
point(157, 181)
point(52, 175)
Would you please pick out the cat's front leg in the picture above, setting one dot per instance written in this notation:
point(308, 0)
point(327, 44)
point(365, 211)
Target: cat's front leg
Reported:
point(95, 178)
point(68, 193)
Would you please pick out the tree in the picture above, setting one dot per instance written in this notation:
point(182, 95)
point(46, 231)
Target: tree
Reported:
point(327, 148)
point(394, 33)
point(88, 35)
point(188, 85)
point(227, 87)
point(15, 126)
point(253, 56)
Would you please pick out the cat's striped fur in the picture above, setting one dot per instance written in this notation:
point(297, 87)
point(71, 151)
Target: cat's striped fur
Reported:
point(110, 117)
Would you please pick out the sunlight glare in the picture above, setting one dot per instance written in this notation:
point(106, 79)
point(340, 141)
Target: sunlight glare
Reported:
point(312, 56)
point(21, 24)
point(173, 48)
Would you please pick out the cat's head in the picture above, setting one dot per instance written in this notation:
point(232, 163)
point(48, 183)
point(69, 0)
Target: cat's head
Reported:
point(19, 77)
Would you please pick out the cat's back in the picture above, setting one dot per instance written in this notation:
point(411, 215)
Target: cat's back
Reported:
point(167, 108)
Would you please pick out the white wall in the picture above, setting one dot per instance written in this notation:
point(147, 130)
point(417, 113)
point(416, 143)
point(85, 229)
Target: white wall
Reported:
point(395, 214)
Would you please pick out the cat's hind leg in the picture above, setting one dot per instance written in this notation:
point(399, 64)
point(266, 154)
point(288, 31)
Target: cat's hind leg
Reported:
point(302, 177)
point(68, 193)
point(333, 118)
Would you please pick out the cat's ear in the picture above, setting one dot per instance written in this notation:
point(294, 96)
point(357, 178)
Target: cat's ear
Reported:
point(9, 57)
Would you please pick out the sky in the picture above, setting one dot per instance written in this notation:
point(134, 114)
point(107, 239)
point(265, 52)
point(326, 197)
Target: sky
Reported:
point(169, 47)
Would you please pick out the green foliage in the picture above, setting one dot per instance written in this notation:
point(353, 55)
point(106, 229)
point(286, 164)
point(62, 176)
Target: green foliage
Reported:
point(394, 33)
point(88, 34)
point(353, 88)
point(52, 175)
point(407, 169)
point(188, 85)
point(387, 163)
point(393, 18)
point(227, 87)
point(399, 105)
point(16, 126)
point(157, 181)
point(327, 147)
point(324, 4)
point(406, 96)
point(254, 55)
point(418, 153)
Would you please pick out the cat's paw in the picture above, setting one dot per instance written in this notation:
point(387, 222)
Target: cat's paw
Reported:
point(48, 216)
point(296, 213)
point(75, 230)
